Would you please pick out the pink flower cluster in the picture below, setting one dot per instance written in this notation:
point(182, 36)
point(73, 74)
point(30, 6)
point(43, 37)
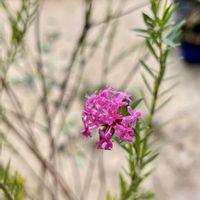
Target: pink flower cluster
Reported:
point(102, 112)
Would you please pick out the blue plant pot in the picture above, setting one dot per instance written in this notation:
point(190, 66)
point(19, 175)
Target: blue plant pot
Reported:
point(189, 49)
point(190, 52)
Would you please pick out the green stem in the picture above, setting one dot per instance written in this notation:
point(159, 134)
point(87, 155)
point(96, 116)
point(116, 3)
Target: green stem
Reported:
point(140, 154)
point(156, 89)
point(157, 82)
point(6, 192)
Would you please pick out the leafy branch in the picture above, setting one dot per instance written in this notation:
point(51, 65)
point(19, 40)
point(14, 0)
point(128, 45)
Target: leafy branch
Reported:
point(11, 185)
point(160, 36)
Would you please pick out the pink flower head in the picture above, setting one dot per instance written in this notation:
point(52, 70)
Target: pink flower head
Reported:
point(102, 112)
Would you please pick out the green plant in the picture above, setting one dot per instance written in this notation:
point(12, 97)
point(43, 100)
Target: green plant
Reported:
point(11, 186)
point(160, 36)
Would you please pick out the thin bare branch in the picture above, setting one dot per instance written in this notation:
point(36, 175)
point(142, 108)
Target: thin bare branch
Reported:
point(119, 15)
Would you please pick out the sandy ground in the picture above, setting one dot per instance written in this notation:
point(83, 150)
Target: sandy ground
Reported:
point(177, 174)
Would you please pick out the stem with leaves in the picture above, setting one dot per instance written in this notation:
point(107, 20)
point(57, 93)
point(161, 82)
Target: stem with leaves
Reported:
point(160, 36)
point(12, 186)
point(6, 192)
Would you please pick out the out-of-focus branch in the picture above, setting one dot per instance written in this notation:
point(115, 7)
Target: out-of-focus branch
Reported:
point(19, 22)
point(27, 119)
point(86, 58)
point(63, 185)
point(29, 166)
point(121, 14)
point(102, 176)
point(123, 55)
point(18, 107)
point(131, 74)
point(45, 103)
point(109, 44)
point(41, 73)
point(89, 175)
point(78, 48)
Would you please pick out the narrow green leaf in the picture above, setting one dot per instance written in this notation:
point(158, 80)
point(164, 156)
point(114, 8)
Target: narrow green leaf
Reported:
point(171, 77)
point(150, 159)
point(125, 171)
point(146, 196)
point(144, 98)
point(148, 20)
point(148, 173)
point(151, 49)
point(154, 8)
point(170, 43)
point(174, 33)
point(123, 184)
point(147, 153)
point(168, 13)
point(164, 103)
point(6, 173)
point(137, 143)
point(140, 30)
point(147, 68)
point(169, 89)
point(146, 83)
point(136, 103)
point(147, 135)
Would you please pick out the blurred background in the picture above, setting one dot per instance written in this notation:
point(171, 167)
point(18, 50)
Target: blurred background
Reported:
point(51, 59)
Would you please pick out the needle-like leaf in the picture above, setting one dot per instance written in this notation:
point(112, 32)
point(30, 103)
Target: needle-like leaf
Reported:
point(164, 103)
point(146, 83)
point(147, 68)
